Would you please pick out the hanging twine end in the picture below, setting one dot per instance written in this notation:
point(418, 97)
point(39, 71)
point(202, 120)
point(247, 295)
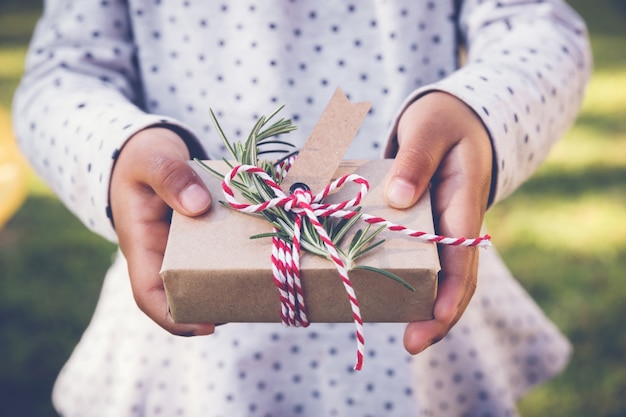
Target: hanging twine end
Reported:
point(484, 241)
point(359, 362)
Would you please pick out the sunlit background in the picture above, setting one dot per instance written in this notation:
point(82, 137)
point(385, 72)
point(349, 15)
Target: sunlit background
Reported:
point(563, 234)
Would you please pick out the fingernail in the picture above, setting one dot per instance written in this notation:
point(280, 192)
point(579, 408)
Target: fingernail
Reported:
point(423, 347)
point(194, 198)
point(400, 193)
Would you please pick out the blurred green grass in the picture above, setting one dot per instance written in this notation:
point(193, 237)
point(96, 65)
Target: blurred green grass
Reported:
point(562, 233)
point(51, 267)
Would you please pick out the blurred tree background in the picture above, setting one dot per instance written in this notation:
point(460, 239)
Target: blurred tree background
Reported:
point(563, 234)
point(51, 267)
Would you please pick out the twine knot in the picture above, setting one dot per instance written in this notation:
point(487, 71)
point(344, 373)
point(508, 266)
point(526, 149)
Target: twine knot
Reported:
point(300, 198)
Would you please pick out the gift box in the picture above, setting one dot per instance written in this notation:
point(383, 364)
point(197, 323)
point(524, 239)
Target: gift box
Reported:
point(214, 272)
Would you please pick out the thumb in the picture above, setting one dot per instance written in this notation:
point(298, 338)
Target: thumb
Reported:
point(415, 163)
point(401, 192)
point(180, 186)
point(423, 138)
point(170, 176)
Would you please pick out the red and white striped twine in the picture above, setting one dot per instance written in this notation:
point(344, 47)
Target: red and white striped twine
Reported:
point(286, 255)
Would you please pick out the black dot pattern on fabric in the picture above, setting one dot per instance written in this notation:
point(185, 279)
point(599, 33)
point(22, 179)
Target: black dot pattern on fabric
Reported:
point(239, 50)
point(98, 72)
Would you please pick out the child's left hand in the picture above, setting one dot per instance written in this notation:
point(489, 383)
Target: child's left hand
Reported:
point(444, 144)
point(150, 179)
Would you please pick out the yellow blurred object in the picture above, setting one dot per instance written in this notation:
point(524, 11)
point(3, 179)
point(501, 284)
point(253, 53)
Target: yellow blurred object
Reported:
point(13, 187)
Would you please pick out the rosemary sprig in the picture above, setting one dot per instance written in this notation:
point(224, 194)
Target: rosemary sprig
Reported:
point(263, 139)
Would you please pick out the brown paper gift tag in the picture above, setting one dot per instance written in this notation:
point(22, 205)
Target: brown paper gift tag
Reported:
point(330, 139)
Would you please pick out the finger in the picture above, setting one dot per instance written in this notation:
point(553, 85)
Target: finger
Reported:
point(460, 195)
point(144, 266)
point(457, 283)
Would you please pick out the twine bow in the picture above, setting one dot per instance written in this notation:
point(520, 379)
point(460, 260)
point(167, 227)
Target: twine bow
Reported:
point(286, 254)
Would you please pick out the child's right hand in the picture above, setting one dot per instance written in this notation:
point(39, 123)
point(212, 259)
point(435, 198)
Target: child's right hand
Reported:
point(151, 177)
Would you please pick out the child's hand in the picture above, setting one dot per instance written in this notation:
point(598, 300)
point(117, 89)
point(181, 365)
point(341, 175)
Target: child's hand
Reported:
point(151, 177)
point(444, 143)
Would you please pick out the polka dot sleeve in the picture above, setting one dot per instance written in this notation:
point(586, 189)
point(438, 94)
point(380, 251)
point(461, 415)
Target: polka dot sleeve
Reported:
point(527, 66)
point(79, 102)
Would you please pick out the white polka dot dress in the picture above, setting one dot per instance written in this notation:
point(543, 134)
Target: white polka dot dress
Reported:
point(99, 71)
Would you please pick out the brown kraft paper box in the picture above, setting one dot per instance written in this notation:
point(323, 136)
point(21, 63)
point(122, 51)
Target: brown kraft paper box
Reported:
point(213, 272)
